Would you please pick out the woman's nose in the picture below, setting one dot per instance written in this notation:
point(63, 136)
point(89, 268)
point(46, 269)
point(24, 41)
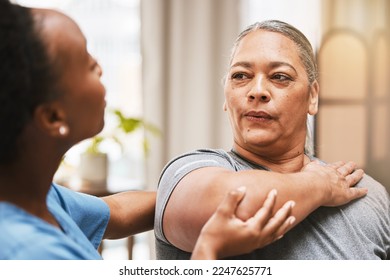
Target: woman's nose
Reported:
point(259, 91)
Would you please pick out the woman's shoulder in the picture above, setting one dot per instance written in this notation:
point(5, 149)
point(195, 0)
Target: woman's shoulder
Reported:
point(201, 157)
point(214, 157)
point(206, 152)
point(375, 188)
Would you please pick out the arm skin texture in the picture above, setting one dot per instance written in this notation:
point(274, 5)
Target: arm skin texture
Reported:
point(226, 235)
point(131, 212)
point(314, 186)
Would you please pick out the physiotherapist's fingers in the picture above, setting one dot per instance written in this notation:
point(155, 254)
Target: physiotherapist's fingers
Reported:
point(265, 212)
point(229, 204)
point(279, 219)
point(285, 227)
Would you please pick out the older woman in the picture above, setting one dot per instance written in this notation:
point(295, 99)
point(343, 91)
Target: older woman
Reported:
point(52, 98)
point(270, 89)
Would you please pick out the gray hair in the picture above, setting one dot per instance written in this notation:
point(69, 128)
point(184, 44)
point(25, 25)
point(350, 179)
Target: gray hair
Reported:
point(306, 55)
point(305, 50)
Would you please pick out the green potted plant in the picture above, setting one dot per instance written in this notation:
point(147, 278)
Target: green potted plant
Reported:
point(94, 161)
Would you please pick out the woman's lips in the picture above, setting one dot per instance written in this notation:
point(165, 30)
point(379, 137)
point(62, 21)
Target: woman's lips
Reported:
point(258, 116)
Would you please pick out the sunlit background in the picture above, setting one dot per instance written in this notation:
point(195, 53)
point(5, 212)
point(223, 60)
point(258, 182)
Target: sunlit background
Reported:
point(163, 60)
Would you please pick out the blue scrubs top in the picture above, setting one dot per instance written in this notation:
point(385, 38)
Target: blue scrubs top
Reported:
point(83, 219)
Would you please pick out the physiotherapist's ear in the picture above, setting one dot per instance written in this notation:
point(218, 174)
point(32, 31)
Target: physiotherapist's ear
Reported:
point(51, 118)
point(224, 106)
point(313, 102)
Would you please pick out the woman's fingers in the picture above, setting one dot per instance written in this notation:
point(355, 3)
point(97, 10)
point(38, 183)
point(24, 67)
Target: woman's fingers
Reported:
point(336, 164)
point(354, 177)
point(346, 168)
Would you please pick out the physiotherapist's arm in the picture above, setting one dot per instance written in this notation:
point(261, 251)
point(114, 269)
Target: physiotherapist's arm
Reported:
point(131, 212)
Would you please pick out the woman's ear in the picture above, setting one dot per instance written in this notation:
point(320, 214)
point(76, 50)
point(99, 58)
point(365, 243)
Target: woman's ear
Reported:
point(313, 98)
point(51, 118)
point(224, 106)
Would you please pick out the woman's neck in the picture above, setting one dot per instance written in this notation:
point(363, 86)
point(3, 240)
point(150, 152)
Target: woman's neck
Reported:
point(288, 162)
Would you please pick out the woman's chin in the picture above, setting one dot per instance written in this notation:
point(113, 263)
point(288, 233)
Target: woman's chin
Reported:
point(259, 139)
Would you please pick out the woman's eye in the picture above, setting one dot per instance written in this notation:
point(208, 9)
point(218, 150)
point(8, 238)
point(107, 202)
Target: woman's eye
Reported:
point(239, 76)
point(281, 77)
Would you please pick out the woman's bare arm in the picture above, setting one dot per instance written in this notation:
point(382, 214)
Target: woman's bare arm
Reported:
point(226, 235)
point(199, 193)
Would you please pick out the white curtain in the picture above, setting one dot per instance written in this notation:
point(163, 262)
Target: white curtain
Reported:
point(185, 50)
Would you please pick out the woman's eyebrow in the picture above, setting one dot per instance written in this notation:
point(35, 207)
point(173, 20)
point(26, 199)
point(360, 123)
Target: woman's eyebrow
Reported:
point(275, 64)
point(244, 64)
point(272, 64)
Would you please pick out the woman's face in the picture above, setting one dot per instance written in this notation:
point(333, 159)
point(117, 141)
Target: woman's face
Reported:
point(268, 96)
point(83, 94)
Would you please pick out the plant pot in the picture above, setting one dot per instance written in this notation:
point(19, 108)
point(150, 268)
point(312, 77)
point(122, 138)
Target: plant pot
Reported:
point(93, 170)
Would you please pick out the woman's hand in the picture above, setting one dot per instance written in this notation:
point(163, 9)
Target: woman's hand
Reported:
point(341, 178)
point(226, 235)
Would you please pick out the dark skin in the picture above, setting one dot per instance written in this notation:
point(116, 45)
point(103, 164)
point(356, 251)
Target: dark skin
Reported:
point(34, 184)
point(59, 124)
point(42, 144)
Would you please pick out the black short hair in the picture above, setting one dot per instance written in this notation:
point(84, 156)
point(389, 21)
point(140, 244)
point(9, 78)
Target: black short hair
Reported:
point(26, 74)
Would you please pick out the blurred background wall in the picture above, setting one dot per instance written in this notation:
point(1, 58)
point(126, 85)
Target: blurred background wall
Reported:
point(354, 57)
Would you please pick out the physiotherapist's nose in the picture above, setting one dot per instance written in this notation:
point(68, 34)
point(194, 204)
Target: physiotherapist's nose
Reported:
point(99, 70)
point(259, 91)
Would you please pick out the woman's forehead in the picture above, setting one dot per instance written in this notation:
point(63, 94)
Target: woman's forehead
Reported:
point(264, 40)
point(265, 44)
